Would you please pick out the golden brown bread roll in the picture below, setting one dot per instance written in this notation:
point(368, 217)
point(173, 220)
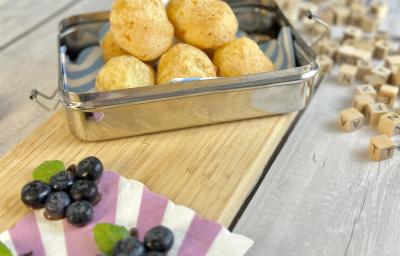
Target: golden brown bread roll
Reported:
point(141, 27)
point(203, 23)
point(110, 48)
point(241, 57)
point(124, 72)
point(183, 60)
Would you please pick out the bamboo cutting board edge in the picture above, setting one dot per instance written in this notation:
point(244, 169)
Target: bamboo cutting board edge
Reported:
point(187, 187)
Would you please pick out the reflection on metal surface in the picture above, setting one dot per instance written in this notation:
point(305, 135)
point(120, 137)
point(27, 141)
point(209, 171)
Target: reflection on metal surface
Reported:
point(106, 115)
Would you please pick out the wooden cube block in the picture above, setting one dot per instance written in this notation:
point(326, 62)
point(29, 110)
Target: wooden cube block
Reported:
point(347, 74)
point(366, 89)
point(369, 24)
point(382, 72)
point(342, 14)
point(389, 124)
point(374, 111)
point(381, 148)
point(395, 76)
point(381, 35)
point(350, 120)
point(325, 63)
point(363, 68)
point(374, 80)
point(379, 10)
point(352, 32)
point(381, 49)
point(392, 61)
point(351, 55)
point(360, 102)
point(328, 47)
point(388, 94)
point(356, 19)
point(327, 15)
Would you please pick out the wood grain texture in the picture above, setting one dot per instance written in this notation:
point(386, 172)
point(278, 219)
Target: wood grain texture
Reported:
point(19, 17)
point(31, 63)
point(323, 195)
point(210, 169)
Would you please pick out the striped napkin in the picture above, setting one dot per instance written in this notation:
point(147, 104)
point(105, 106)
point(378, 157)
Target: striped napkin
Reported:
point(128, 203)
point(81, 74)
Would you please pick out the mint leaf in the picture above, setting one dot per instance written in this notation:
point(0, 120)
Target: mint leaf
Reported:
point(107, 235)
point(4, 251)
point(47, 169)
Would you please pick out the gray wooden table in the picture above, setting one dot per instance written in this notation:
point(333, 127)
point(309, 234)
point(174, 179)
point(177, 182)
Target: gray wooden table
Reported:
point(322, 195)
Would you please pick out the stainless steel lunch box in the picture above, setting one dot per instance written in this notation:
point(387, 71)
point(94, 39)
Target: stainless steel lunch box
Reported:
point(115, 114)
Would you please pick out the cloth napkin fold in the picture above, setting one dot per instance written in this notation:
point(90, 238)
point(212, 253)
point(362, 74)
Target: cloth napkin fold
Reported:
point(81, 74)
point(128, 203)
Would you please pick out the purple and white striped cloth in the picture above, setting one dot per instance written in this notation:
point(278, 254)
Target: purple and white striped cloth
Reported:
point(128, 203)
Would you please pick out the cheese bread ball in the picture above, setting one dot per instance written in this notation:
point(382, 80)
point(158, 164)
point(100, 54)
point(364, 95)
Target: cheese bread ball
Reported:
point(241, 57)
point(141, 27)
point(184, 60)
point(110, 48)
point(124, 72)
point(203, 23)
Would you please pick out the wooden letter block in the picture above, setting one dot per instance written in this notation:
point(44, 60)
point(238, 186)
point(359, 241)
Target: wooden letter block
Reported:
point(374, 80)
point(352, 32)
point(388, 94)
point(379, 10)
point(389, 124)
point(327, 15)
point(363, 68)
point(374, 111)
point(369, 24)
point(381, 148)
point(382, 72)
point(395, 76)
point(360, 102)
point(325, 63)
point(381, 49)
point(350, 120)
point(342, 14)
point(366, 89)
point(328, 47)
point(392, 61)
point(347, 74)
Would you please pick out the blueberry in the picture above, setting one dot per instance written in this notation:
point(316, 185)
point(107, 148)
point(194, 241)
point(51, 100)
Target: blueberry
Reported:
point(34, 194)
point(128, 247)
point(56, 204)
point(159, 238)
point(89, 168)
point(154, 253)
point(79, 213)
point(85, 190)
point(61, 181)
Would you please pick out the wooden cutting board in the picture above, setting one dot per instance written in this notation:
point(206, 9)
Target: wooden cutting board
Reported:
point(210, 169)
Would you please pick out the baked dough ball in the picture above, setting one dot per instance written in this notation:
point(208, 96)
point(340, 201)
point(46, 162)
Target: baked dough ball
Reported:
point(141, 27)
point(241, 57)
point(110, 48)
point(124, 72)
point(184, 60)
point(203, 23)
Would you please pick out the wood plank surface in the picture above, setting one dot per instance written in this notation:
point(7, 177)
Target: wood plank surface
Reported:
point(28, 63)
point(210, 169)
point(20, 17)
point(323, 195)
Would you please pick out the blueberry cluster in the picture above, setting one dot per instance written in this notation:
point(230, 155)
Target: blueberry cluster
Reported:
point(71, 193)
point(157, 242)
